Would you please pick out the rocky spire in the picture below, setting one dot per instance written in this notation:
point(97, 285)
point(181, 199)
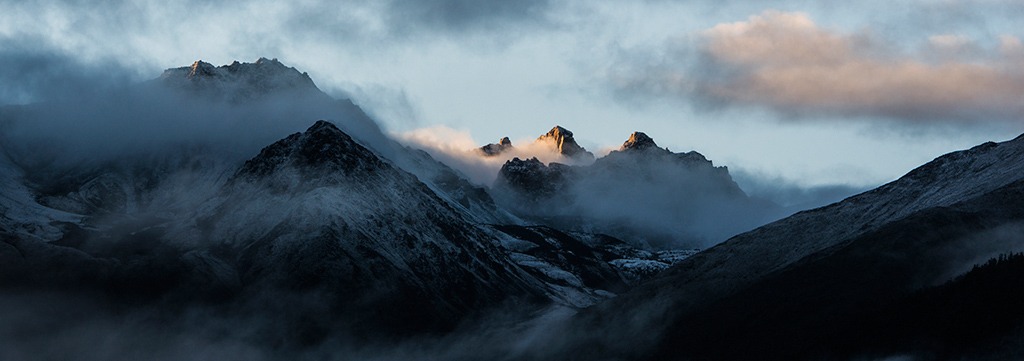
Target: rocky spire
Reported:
point(201, 68)
point(564, 142)
point(493, 149)
point(638, 141)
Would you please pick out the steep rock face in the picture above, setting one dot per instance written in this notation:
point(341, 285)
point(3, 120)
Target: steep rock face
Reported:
point(874, 246)
point(638, 141)
point(323, 149)
point(494, 149)
point(561, 139)
point(536, 181)
point(241, 82)
point(317, 210)
point(640, 193)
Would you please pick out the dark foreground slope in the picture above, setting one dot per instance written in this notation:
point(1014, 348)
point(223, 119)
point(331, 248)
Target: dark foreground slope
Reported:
point(802, 287)
point(315, 232)
point(855, 300)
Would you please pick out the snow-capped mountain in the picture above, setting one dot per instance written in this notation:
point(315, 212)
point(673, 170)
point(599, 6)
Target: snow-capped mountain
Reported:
point(558, 140)
point(213, 203)
point(242, 82)
point(820, 284)
point(362, 233)
point(641, 193)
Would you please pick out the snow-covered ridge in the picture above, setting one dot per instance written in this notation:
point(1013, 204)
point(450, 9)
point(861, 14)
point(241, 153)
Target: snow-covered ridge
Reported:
point(641, 193)
point(746, 258)
point(240, 81)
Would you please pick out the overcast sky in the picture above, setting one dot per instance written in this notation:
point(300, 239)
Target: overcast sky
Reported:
point(808, 92)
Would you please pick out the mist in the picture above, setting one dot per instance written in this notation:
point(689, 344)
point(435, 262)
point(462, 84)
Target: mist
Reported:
point(793, 197)
point(458, 149)
point(102, 115)
point(49, 325)
point(652, 202)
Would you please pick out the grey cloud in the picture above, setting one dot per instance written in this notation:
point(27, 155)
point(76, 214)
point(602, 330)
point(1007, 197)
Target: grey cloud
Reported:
point(928, 18)
point(791, 196)
point(33, 74)
point(458, 15)
point(139, 31)
point(84, 113)
point(385, 104)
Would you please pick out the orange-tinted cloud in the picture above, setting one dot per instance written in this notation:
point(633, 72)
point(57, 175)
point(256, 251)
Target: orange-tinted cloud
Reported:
point(784, 61)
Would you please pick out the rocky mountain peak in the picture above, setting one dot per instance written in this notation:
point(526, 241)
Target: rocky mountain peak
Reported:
point(532, 177)
point(564, 142)
point(494, 149)
point(322, 148)
point(200, 68)
point(265, 61)
point(638, 141)
point(240, 81)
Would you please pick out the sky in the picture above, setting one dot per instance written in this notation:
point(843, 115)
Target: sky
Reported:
point(809, 94)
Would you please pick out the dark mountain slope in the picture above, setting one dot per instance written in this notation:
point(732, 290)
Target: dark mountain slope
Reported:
point(835, 304)
point(317, 210)
point(981, 181)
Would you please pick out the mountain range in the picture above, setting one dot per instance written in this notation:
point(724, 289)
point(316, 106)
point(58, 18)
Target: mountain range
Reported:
point(287, 221)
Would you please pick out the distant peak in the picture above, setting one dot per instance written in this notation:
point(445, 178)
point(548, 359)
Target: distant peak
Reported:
point(322, 148)
point(263, 60)
point(201, 68)
point(558, 131)
point(564, 142)
point(322, 125)
point(494, 149)
point(240, 81)
point(638, 141)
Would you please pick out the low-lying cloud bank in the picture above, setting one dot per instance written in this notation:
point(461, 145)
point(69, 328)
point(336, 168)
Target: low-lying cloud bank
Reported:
point(459, 150)
point(58, 109)
point(647, 198)
point(787, 62)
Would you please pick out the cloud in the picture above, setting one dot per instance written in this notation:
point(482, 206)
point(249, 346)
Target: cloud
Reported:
point(653, 202)
point(461, 15)
point(86, 114)
point(457, 149)
point(790, 195)
point(387, 104)
point(786, 62)
point(119, 26)
point(332, 40)
point(31, 75)
point(650, 200)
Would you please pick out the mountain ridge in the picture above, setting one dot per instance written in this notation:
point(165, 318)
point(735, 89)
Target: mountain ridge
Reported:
point(643, 193)
point(749, 260)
